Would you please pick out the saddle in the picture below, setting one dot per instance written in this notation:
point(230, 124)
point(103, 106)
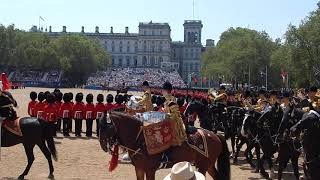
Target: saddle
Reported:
point(13, 126)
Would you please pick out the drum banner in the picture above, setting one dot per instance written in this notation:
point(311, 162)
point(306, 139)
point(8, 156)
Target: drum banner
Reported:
point(158, 136)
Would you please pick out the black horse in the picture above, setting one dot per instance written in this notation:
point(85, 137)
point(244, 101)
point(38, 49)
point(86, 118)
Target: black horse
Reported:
point(309, 125)
point(268, 124)
point(288, 147)
point(202, 111)
point(34, 132)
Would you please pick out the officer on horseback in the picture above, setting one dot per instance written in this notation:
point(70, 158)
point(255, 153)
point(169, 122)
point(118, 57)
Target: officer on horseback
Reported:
point(172, 108)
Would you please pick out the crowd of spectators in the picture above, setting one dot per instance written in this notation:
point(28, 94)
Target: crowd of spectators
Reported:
point(53, 76)
point(133, 77)
point(27, 76)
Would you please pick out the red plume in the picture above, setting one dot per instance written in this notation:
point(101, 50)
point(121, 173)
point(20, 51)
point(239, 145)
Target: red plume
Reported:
point(5, 82)
point(114, 159)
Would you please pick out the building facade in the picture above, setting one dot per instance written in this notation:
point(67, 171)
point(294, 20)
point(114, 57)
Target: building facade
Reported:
point(151, 47)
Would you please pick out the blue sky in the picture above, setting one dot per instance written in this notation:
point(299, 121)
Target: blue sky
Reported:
point(273, 16)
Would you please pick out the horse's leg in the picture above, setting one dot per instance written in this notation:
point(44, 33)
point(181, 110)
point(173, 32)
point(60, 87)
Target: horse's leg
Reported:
point(257, 150)
point(233, 139)
point(270, 162)
point(283, 161)
point(235, 158)
point(295, 166)
point(261, 167)
point(29, 152)
point(47, 154)
point(151, 175)
point(139, 173)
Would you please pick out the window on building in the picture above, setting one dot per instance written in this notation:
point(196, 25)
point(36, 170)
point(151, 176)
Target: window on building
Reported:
point(152, 32)
point(120, 49)
point(191, 53)
point(120, 60)
point(197, 67)
point(135, 61)
point(128, 61)
point(152, 61)
point(145, 32)
point(187, 53)
point(112, 48)
point(128, 48)
point(186, 66)
point(112, 60)
point(156, 62)
point(144, 60)
point(160, 33)
point(160, 59)
point(191, 66)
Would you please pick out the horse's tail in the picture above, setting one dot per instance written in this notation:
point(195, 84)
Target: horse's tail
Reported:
point(48, 135)
point(223, 164)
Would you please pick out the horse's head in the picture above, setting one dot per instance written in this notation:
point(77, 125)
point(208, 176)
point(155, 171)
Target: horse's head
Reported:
point(309, 122)
point(193, 106)
point(107, 137)
point(7, 104)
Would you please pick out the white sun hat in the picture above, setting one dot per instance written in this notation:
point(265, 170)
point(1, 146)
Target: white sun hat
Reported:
point(184, 171)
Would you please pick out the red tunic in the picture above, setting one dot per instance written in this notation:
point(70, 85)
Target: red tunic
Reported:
point(39, 109)
point(78, 110)
point(31, 108)
point(90, 111)
point(51, 113)
point(100, 109)
point(65, 110)
point(58, 106)
point(109, 107)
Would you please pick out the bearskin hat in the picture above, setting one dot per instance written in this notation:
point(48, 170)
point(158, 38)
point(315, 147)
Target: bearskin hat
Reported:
point(33, 95)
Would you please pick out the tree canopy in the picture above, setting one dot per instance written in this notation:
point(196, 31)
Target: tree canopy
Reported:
point(241, 50)
point(76, 55)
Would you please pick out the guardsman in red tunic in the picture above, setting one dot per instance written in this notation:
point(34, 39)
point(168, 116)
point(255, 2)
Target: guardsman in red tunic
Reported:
point(32, 104)
point(58, 105)
point(78, 113)
point(71, 101)
point(100, 109)
point(39, 108)
point(109, 104)
point(51, 113)
point(66, 113)
point(89, 114)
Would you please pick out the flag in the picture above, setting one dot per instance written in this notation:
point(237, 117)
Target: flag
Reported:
point(204, 80)
point(5, 82)
point(283, 75)
point(195, 80)
point(41, 18)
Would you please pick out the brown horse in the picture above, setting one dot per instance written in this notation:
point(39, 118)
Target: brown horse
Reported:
point(123, 130)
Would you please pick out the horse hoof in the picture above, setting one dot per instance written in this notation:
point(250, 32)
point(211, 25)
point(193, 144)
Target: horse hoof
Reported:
point(265, 175)
point(21, 177)
point(51, 176)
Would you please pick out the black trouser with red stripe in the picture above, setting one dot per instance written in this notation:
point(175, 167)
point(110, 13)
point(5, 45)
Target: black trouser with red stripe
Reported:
point(78, 127)
point(89, 123)
point(58, 125)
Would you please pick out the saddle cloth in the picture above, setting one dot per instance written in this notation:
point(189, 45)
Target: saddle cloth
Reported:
point(13, 126)
point(198, 142)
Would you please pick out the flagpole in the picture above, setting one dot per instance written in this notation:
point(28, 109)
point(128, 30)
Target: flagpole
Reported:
point(266, 78)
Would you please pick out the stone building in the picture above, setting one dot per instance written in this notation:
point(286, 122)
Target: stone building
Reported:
point(151, 47)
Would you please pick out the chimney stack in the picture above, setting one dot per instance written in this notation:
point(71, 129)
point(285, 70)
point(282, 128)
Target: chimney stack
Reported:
point(127, 30)
point(97, 29)
point(64, 29)
point(50, 29)
point(82, 29)
point(111, 30)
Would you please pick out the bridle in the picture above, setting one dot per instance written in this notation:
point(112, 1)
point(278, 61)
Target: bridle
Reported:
point(114, 140)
